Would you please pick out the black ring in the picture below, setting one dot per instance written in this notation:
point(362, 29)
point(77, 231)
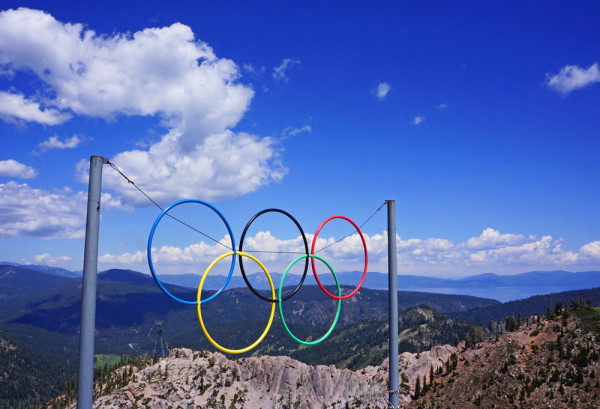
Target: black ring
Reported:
point(242, 263)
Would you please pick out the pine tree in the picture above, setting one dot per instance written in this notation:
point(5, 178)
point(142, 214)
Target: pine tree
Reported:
point(418, 388)
point(558, 308)
point(431, 374)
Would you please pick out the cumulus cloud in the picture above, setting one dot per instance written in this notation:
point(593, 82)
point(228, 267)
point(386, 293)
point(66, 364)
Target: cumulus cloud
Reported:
point(382, 90)
point(224, 165)
point(25, 211)
point(491, 251)
point(154, 71)
point(491, 238)
point(535, 252)
point(16, 107)
point(54, 142)
point(163, 72)
point(418, 120)
point(591, 250)
point(280, 72)
point(125, 259)
point(276, 253)
point(572, 77)
point(47, 259)
point(14, 169)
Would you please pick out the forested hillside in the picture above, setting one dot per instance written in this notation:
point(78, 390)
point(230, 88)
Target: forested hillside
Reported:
point(27, 377)
point(535, 305)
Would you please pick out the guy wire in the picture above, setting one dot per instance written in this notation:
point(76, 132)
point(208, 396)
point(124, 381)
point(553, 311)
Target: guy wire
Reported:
point(112, 165)
point(353, 233)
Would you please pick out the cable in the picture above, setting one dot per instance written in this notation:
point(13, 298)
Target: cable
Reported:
point(351, 234)
point(112, 165)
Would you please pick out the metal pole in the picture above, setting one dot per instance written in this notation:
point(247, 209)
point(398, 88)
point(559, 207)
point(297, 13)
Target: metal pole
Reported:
point(393, 305)
point(85, 389)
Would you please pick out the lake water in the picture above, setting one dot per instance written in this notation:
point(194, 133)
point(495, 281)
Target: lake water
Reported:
point(502, 294)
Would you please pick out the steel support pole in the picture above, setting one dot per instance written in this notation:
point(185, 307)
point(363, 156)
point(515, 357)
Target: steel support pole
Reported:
point(85, 389)
point(393, 305)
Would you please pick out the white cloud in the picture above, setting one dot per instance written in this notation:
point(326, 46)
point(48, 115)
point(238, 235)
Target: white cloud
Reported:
point(418, 120)
point(17, 107)
point(491, 238)
point(32, 212)
point(253, 70)
point(165, 72)
point(14, 169)
point(535, 252)
point(591, 250)
point(125, 259)
point(572, 77)
point(224, 165)
point(491, 251)
point(279, 73)
point(155, 71)
point(25, 211)
point(441, 107)
point(55, 143)
point(289, 131)
point(49, 260)
point(382, 90)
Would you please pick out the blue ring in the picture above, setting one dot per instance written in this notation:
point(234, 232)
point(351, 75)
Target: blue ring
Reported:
point(149, 251)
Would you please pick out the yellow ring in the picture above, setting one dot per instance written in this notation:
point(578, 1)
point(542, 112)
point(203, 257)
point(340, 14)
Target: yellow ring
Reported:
point(264, 334)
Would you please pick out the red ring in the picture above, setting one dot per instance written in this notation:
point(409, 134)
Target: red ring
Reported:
point(312, 251)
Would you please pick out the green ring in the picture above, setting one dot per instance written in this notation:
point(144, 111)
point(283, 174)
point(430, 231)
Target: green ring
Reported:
point(337, 314)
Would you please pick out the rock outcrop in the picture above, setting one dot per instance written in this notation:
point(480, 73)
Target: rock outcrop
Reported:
point(200, 379)
point(192, 379)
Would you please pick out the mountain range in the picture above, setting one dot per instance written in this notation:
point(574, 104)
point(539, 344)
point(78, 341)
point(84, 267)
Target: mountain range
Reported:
point(489, 285)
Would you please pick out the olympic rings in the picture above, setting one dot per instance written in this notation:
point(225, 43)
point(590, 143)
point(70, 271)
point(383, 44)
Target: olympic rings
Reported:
point(273, 300)
point(242, 263)
point(212, 341)
point(149, 251)
point(339, 306)
point(312, 251)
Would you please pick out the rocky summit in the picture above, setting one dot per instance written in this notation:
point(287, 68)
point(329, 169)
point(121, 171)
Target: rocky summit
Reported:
point(200, 379)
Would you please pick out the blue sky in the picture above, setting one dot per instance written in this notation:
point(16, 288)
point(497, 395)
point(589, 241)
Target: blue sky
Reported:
point(479, 119)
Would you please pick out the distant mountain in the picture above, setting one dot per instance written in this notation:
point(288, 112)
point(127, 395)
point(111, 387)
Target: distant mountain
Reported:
point(18, 284)
point(556, 279)
point(559, 280)
point(489, 285)
point(45, 269)
point(126, 277)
